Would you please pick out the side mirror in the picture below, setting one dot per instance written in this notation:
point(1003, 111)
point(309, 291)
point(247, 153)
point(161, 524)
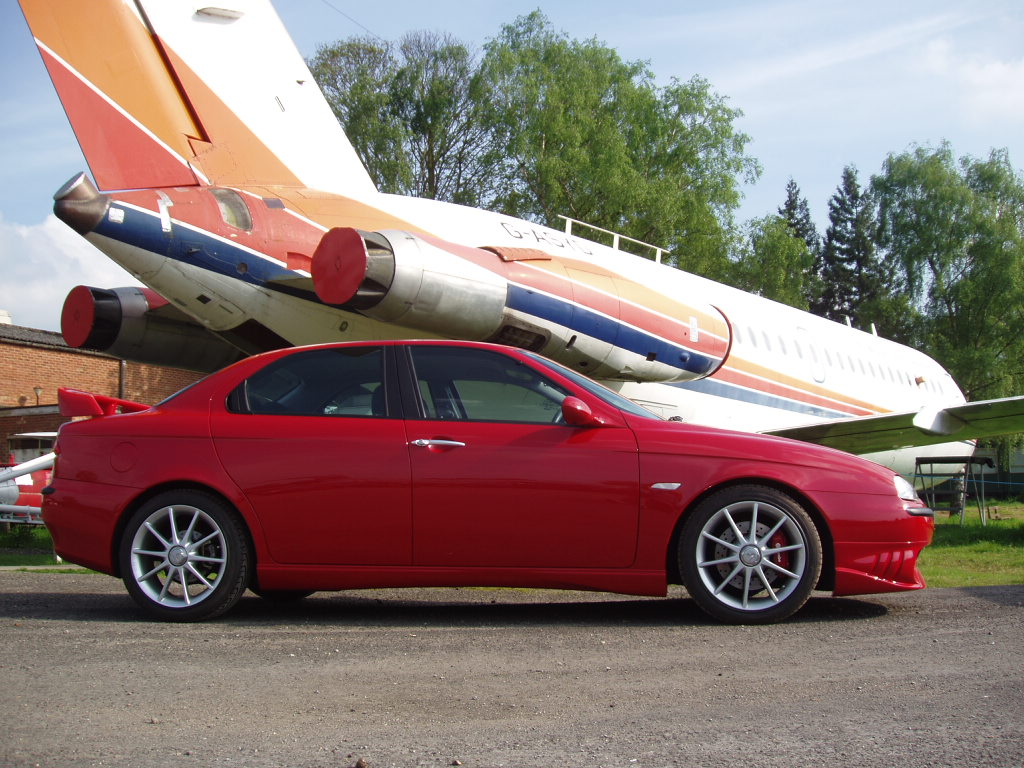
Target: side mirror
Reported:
point(578, 414)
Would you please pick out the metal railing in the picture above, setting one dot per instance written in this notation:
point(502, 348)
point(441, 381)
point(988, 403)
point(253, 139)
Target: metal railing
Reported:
point(616, 237)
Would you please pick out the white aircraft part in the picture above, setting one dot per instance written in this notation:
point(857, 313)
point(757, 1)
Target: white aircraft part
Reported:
point(249, 60)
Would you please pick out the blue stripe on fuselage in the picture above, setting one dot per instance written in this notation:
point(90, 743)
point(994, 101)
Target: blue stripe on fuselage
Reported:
point(142, 229)
point(712, 386)
point(606, 329)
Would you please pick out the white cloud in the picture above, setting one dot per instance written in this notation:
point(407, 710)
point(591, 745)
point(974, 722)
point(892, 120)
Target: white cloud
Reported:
point(837, 51)
point(40, 264)
point(991, 89)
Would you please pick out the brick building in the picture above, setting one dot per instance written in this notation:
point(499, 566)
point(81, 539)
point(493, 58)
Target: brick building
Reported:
point(34, 363)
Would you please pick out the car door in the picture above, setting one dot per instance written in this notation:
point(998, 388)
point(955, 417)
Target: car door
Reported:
point(321, 457)
point(500, 481)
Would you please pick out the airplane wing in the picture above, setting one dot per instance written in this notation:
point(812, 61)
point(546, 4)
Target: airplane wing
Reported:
point(929, 426)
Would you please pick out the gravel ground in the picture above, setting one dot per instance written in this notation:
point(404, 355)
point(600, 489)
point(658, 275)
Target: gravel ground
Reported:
point(481, 677)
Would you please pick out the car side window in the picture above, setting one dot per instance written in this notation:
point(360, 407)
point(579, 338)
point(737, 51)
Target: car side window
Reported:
point(324, 382)
point(461, 384)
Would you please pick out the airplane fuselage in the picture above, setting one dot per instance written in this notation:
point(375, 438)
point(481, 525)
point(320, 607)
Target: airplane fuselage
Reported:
point(682, 345)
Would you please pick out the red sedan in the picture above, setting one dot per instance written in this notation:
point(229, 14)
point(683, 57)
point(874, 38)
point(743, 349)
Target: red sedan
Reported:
point(433, 463)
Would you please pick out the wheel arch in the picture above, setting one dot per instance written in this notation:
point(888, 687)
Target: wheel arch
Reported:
point(826, 580)
point(175, 485)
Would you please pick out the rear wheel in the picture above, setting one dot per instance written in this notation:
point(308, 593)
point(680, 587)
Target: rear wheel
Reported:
point(185, 557)
point(749, 555)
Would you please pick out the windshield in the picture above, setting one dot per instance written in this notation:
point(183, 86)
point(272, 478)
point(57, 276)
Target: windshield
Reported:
point(598, 390)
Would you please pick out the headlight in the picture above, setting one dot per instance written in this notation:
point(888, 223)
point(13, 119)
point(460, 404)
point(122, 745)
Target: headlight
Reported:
point(904, 489)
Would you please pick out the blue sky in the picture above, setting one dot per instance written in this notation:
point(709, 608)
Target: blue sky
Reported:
point(822, 84)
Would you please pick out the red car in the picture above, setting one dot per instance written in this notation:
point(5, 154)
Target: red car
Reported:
point(435, 463)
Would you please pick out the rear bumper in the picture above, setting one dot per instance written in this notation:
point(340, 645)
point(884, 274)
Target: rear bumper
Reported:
point(82, 519)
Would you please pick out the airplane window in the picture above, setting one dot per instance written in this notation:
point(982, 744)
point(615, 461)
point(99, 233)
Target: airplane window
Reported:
point(233, 209)
point(753, 337)
point(782, 346)
point(767, 341)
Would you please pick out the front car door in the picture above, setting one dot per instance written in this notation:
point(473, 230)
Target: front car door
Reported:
point(499, 480)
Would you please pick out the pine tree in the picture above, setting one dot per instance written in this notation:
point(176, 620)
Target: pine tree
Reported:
point(797, 215)
point(858, 285)
point(842, 252)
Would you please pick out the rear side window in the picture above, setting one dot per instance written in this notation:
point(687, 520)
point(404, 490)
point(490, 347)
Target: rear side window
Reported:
point(324, 382)
point(459, 384)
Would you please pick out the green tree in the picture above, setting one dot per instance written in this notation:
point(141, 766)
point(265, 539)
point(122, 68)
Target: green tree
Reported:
point(956, 231)
point(544, 126)
point(797, 215)
point(857, 285)
point(438, 96)
point(774, 262)
point(412, 112)
point(591, 136)
point(356, 77)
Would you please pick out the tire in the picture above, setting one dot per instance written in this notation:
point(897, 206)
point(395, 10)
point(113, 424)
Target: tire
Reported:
point(185, 556)
point(744, 577)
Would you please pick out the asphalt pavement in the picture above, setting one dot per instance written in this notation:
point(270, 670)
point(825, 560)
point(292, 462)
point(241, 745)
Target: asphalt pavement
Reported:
point(484, 677)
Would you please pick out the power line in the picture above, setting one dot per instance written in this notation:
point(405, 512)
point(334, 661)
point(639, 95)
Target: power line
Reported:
point(361, 26)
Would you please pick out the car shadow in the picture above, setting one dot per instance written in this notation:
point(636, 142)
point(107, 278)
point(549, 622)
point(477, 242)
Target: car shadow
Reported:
point(515, 607)
point(416, 607)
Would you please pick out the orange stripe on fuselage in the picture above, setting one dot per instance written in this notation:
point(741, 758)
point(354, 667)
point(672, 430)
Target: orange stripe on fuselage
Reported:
point(746, 374)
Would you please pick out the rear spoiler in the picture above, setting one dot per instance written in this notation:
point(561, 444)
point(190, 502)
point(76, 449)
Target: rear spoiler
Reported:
point(74, 402)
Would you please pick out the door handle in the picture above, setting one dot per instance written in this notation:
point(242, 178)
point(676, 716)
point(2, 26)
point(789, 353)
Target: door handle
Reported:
point(423, 443)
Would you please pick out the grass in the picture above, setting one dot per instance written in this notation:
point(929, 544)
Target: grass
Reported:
point(969, 555)
point(26, 545)
point(973, 555)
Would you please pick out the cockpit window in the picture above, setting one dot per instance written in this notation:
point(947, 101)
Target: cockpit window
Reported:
point(233, 209)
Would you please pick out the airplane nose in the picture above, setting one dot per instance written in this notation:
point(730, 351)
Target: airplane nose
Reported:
point(80, 205)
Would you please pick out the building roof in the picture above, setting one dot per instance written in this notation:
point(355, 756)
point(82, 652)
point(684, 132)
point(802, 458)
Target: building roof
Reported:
point(18, 334)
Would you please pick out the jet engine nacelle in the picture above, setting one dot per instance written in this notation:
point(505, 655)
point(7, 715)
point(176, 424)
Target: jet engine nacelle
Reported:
point(492, 294)
point(140, 325)
point(397, 277)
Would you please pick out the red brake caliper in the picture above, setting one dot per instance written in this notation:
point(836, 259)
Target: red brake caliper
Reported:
point(781, 559)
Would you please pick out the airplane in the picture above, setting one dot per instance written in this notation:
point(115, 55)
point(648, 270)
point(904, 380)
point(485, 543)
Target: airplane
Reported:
point(222, 180)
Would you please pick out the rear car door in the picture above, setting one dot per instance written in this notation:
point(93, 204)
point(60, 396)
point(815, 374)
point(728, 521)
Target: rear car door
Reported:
point(320, 452)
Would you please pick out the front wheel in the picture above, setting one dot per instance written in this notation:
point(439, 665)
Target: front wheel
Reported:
point(185, 557)
point(749, 555)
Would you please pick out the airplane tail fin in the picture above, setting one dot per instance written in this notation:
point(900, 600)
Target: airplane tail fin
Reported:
point(160, 94)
